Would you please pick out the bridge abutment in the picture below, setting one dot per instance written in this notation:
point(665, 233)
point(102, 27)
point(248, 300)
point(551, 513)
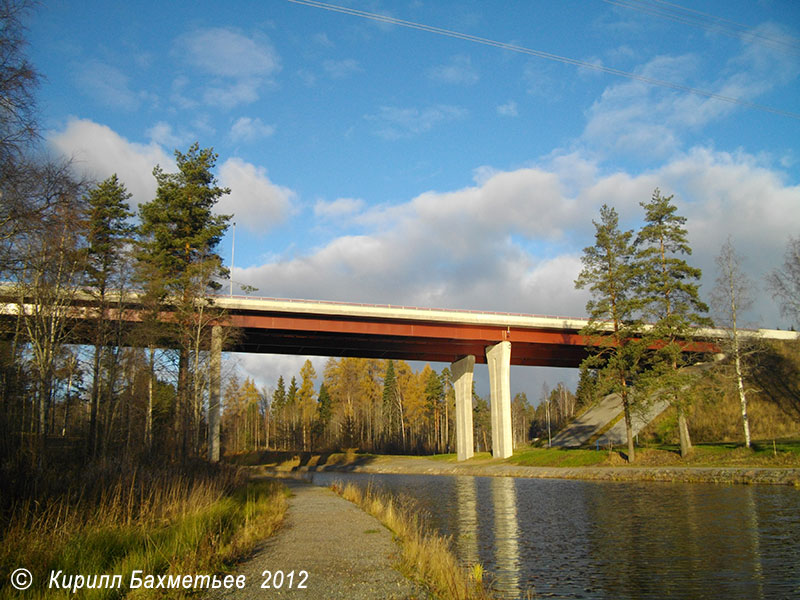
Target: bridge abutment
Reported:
point(462, 371)
point(498, 357)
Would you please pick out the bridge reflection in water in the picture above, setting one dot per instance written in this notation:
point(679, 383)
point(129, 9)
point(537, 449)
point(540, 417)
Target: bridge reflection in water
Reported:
point(582, 539)
point(506, 529)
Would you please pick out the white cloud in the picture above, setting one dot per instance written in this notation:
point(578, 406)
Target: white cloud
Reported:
point(255, 202)
point(108, 85)
point(162, 134)
point(509, 109)
point(98, 152)
point(322, 39)
point(337, 209)
point(264, 370)
point(513, 241)
point(636, 118)
point(458, 70)
point(242, 91)
point(396, 122)
point(339, 69)
point(247, 129)
point(237, 65)
point(224, 52)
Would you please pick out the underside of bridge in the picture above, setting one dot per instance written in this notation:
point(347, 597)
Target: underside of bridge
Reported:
point(461, 344)
point(406, 341)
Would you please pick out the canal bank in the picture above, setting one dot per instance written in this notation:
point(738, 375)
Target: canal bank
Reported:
point(619, 540)
point(491, 468)
point(326, 548)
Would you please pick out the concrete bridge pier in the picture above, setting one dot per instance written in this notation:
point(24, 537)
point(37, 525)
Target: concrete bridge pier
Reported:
point(462, 371)
point(214, 386)
point(498, 357)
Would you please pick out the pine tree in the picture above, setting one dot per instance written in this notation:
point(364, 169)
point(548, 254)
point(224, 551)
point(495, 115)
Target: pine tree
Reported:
point(391, 416)
point(670, 292)
point(305, 398)
point(108, 237)
point(324, 412)
point(434, 394)
point(610, 273)
point(179, 231)
point(178, 237)
point(279, 412)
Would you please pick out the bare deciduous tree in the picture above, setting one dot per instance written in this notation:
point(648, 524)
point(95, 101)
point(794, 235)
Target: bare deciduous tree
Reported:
point(784, 282)
point(18, 81)
point(731, 296)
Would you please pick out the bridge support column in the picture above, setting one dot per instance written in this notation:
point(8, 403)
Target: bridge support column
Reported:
point(498, 358)
point(214, 386)
point(462, 371)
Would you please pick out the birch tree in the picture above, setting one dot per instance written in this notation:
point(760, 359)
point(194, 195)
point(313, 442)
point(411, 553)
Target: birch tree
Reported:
point(730, 297)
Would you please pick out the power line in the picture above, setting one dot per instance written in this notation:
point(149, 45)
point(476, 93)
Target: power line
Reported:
point(695, 18)
point(541, 54)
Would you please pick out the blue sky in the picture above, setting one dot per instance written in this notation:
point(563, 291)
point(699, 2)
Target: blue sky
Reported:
point(370, 162)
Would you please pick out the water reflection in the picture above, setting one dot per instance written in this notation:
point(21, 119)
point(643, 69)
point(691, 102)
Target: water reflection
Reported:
point(579, 539)
point(506, 533)
point(678, 541)
point(466, 537)
point(752, 528)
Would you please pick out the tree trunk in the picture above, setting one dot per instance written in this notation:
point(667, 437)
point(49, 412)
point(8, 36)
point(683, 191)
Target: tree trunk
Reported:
point(742, 398)
point(148, 423)
point(683, 430)
point(628, 423)
point(181, 409)
point(93, 427)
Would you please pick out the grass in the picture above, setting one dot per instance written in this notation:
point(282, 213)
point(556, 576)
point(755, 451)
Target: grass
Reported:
point(558, 457)
point(160, 523)
point(762, 454)
point(426, 557)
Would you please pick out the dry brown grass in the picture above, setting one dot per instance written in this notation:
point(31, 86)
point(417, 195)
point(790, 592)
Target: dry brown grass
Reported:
point(426, 556)
point(160, 522)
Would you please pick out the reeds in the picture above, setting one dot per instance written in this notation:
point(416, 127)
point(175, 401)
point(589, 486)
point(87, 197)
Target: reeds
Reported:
point(425, 556)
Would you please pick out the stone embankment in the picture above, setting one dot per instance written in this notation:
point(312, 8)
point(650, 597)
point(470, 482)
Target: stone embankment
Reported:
point(422, 466)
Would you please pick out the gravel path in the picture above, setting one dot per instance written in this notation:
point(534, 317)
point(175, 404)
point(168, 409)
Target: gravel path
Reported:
point(347, 553)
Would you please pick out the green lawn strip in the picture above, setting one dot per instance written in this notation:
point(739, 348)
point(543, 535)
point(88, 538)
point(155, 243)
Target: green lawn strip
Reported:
point(558, 457)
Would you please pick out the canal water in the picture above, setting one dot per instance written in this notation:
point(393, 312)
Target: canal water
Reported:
point(551, 538)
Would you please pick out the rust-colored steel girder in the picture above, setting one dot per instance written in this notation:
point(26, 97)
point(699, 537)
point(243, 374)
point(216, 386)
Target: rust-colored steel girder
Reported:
point(369, 338)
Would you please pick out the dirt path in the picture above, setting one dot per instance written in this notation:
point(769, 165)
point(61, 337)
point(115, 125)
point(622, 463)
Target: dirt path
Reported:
point(347, 553)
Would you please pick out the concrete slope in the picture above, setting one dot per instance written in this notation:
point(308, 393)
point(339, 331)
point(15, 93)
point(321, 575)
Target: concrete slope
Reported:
point(580, 431)
point(616, 436)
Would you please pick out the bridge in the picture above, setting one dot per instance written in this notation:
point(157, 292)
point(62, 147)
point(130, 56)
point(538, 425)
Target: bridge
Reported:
point(459, 337)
